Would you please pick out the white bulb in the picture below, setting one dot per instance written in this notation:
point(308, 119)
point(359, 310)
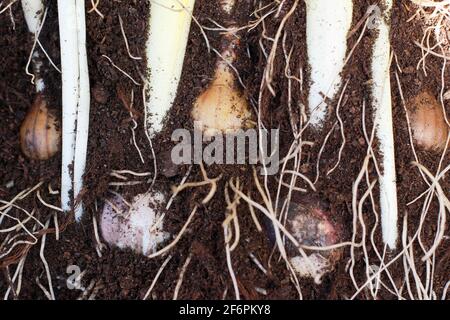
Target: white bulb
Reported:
point(138, 227)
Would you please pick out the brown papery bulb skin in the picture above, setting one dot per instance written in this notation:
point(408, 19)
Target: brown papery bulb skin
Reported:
point(40, 134)
point(221, 108)
point(428, 123)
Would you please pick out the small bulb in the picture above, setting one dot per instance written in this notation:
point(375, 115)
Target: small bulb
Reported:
point(40, 133)
point(137, 226)
point(221, 108)
point(428, 123)
point(311, 225)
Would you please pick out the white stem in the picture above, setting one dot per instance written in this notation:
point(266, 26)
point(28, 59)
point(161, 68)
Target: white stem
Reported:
point(384, 129)
point(83, 108)
point(170, 22)
point(75, 83)
point(33, 11)
point(327, 25)
point(70, 93)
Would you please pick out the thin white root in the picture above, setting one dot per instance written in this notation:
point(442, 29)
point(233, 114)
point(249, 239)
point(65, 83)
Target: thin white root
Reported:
point(178, 237)
point(181, 277)
point(155, 280)
point(44, 261)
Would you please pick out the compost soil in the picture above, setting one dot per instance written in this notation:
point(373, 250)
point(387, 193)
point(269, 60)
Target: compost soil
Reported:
point(117, 103)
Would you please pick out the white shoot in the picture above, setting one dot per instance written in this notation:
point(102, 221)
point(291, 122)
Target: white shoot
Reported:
point(166, 46)
point(384, 129)
point(33, 11)
point(70, 93)
point(75, 83)
point(83, 109)
point(327, 26)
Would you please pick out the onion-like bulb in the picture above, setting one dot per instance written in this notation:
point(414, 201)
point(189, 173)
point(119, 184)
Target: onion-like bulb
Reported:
point(40, 133)
point(311, 224)
point(137, 225)
point(428, 123)
point(221, 108)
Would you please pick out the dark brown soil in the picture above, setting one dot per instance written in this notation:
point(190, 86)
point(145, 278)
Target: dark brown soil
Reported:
point(118, 274)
